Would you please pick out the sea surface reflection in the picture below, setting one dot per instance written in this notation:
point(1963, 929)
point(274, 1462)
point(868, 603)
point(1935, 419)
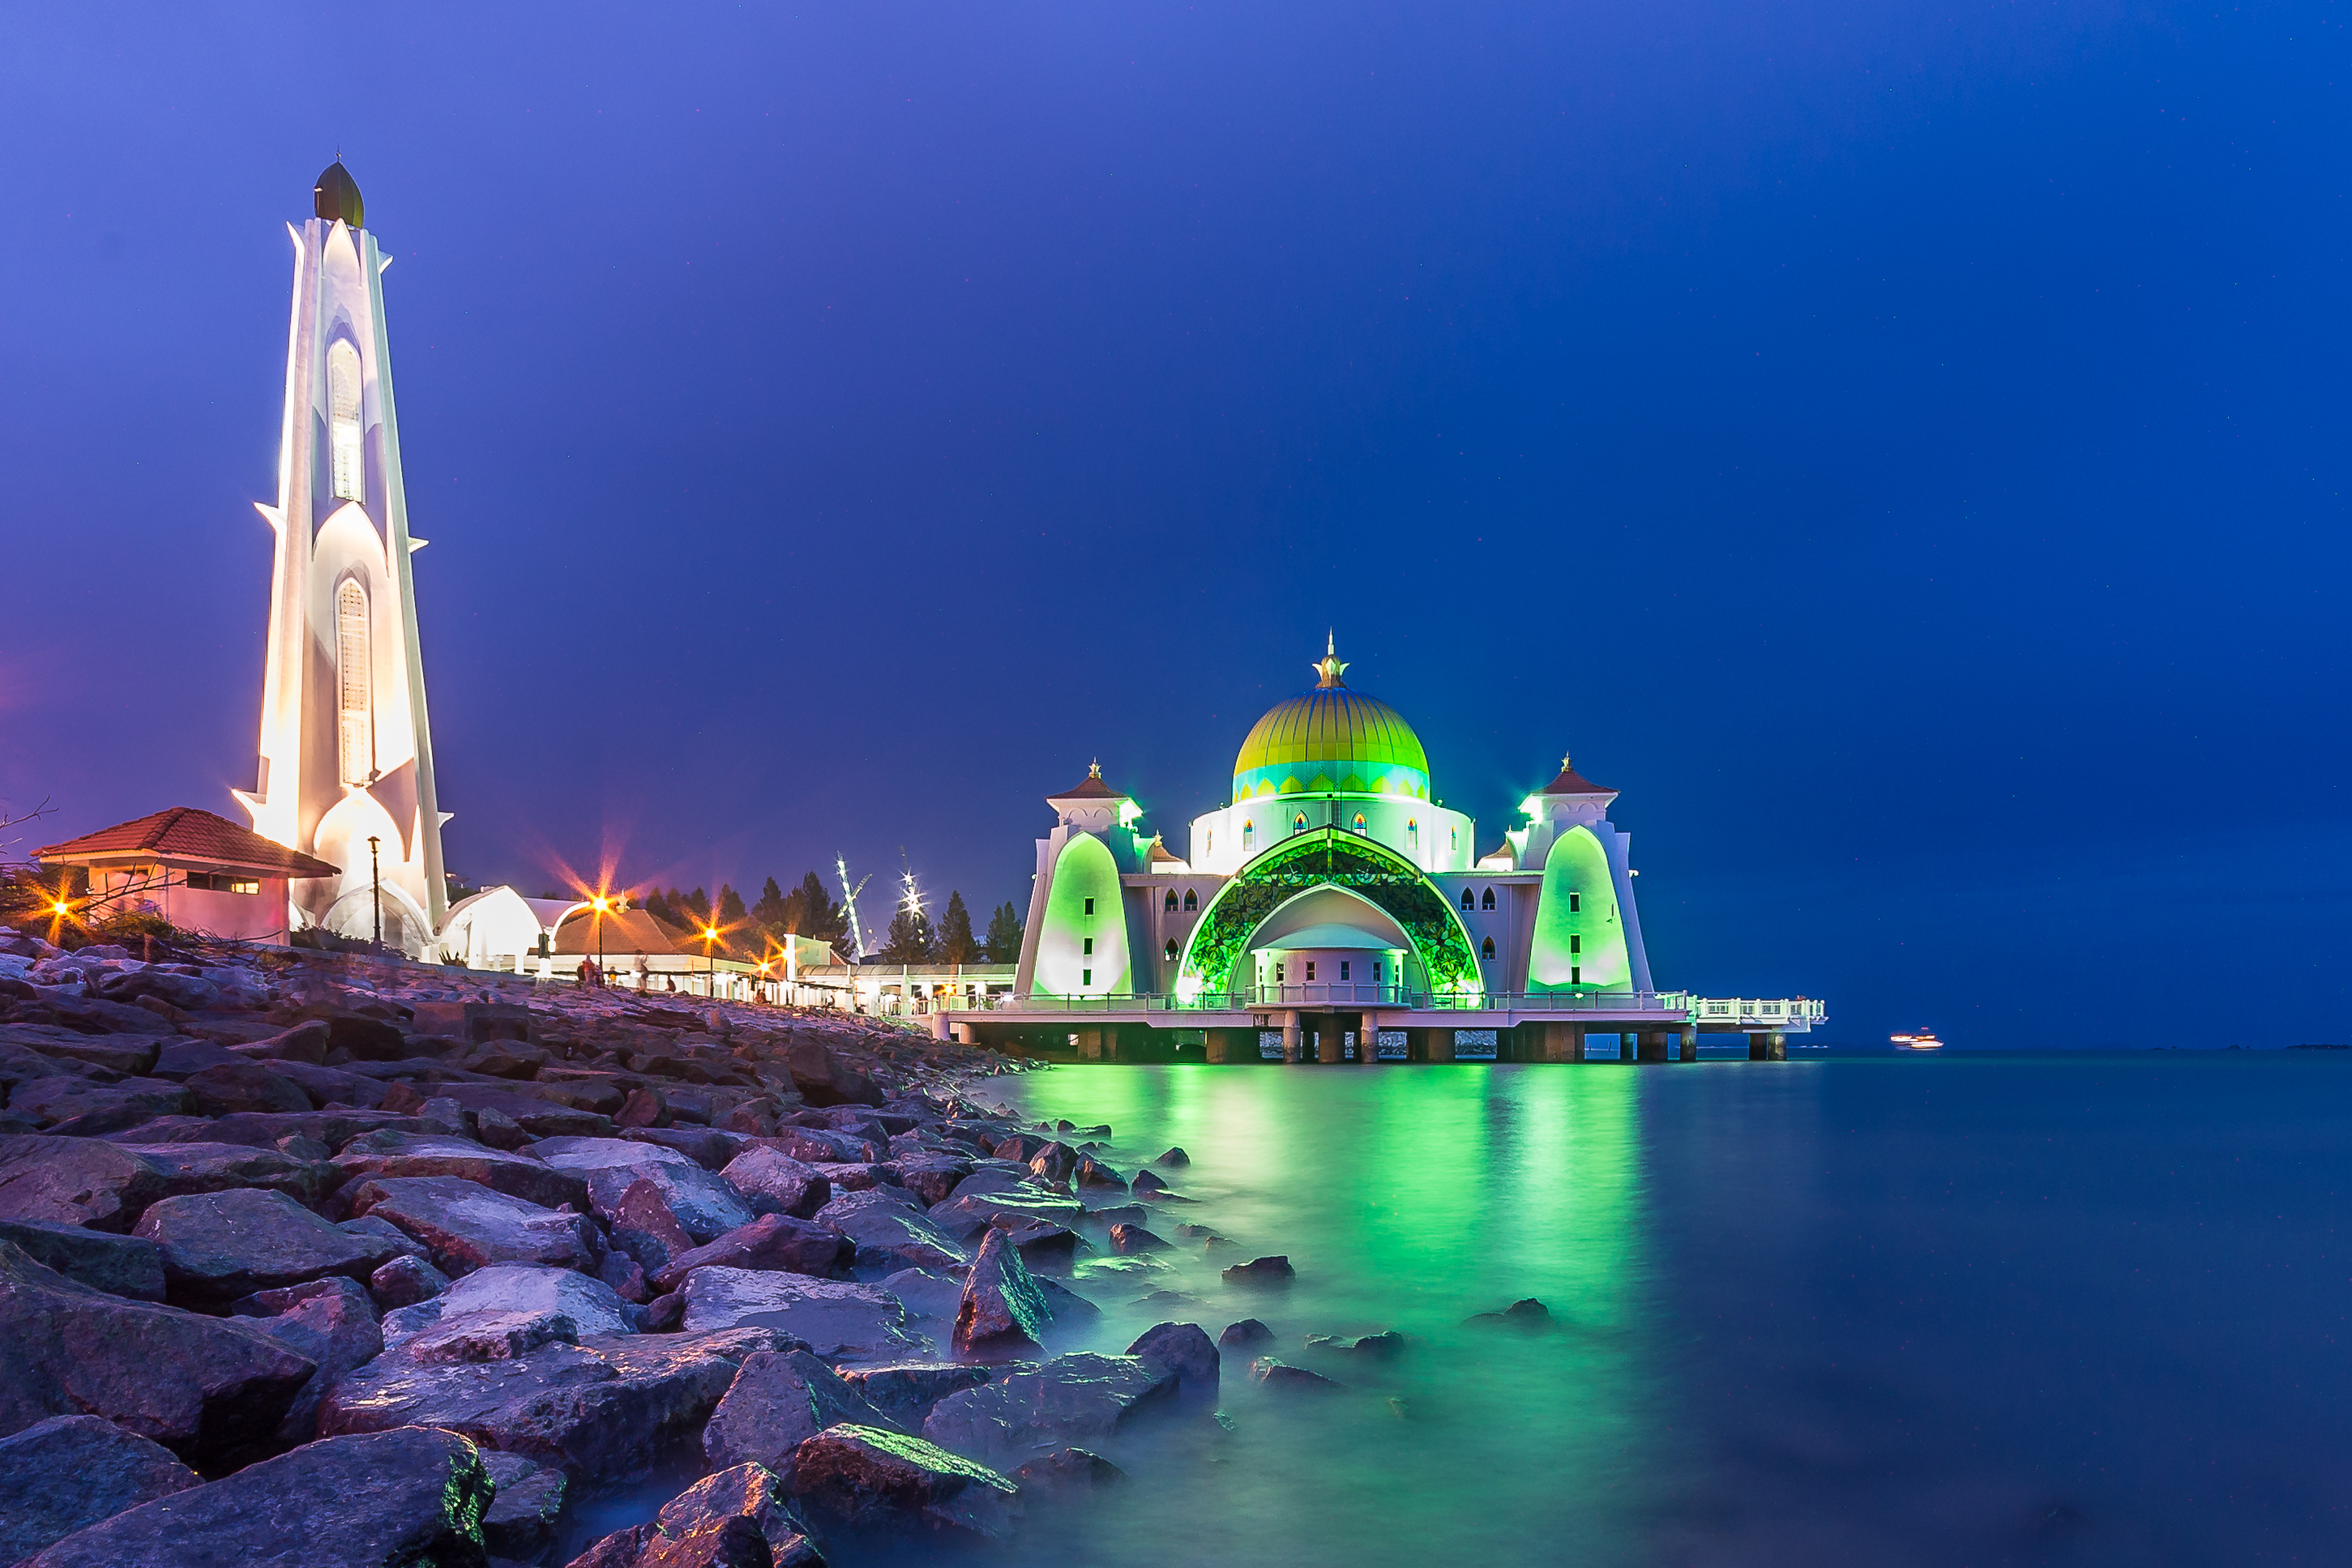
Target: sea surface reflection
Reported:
point(1960, 1311)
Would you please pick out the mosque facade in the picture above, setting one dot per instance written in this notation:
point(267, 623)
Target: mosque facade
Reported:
point(1334, 896)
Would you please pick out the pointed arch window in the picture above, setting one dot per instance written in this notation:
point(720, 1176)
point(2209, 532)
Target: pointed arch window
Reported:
point(1469, 899)
point(1192, 901)
point(1411, 837)
point(1298, 823)
point(1487, 949)
point(353, 682)
point(1167, 905)
point(1249, 832)
point(1360, 822)
point(1486, 900)
point(344, 421)
point(1171, 950)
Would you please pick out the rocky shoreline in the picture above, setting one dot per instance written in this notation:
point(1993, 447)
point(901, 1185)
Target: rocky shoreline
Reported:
point(344, 1261)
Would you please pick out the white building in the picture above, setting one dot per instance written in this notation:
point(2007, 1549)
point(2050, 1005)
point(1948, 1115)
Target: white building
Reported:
point(346, 771)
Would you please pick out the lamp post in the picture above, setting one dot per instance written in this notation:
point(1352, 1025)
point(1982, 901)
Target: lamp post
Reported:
point(375, 891)
point(710, 965)
point(600, 902)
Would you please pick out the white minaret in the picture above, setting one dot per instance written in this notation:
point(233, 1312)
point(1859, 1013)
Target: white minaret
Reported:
point(346, 748)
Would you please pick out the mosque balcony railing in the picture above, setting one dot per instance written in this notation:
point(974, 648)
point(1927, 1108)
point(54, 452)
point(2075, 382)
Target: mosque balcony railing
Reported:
point(1343, 995)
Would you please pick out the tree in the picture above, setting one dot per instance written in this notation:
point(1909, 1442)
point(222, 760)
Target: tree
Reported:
point(810, 913)
point(1004, 943)
point(771, 910)
point(695, 905)
point(910, 940)
point(660, 908)
point(731, 913)
point(956, 944)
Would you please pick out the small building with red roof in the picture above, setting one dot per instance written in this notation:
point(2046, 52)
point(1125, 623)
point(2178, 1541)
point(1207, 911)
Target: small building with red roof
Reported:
point(200, 871)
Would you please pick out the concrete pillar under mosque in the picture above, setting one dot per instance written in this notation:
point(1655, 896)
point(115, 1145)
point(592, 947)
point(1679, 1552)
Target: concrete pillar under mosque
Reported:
point(1289, 1038)
point(1090, 1045)
point(1767, 1047)
point(1690, 1043)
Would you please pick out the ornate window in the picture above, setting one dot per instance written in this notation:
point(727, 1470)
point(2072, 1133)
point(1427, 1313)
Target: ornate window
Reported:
point(1192, 901)
point(344, 421)
point(1249, 832)
point(1469, 899)
point(1487, 949)
point(353, 683)
point(1169, 951)
point(1488, 901)
point(1298, 823)
point(1411, 837)
point(1360, 822)
point(1167, 905)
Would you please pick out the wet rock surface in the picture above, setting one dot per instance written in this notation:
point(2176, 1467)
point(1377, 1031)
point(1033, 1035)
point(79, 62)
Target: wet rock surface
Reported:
point(779, 1398)
point(219, 1246)
point(1079, 1399)
point(118, 1265)
point(1002, 1311)
point(836, 1319)
point(413, 1497)
point(777, 1243)
point(70, 1472)
point(869, 1480)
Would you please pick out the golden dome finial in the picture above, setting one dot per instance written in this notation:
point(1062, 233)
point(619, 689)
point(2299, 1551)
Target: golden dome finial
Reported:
point(1329, 669)
point(1094, 768)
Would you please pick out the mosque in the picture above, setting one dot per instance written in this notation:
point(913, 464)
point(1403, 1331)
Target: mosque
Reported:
point(1333, 910)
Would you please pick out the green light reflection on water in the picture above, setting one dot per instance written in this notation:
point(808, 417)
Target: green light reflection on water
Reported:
point(1408, 1197)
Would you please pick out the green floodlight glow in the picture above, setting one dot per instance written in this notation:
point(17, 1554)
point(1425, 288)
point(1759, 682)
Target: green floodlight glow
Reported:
point(1082, 948)
point(1580, 936)
point(1330, 857)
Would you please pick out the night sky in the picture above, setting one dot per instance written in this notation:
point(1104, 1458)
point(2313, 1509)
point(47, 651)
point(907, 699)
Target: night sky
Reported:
point(1901, 446)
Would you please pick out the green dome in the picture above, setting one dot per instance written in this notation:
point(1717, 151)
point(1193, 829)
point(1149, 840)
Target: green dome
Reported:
point(1331, 740)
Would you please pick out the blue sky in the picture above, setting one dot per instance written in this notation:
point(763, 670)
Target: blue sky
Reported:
point(1900, 446)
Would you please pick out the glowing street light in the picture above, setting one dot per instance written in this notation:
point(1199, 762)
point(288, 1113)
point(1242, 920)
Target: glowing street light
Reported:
point(600, 904)
point(710, 965)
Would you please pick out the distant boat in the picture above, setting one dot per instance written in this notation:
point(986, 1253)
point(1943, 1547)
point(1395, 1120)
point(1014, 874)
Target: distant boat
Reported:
point(1924, 1040)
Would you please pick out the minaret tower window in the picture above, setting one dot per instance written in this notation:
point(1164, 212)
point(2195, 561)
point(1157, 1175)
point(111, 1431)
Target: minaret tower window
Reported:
point(343, 420)
point(352, 683)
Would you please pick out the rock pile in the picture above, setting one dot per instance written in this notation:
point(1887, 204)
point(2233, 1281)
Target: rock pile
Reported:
point(342, 1261)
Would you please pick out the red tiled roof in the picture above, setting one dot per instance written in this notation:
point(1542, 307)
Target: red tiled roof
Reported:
point(1161, 852)
point(1571, 782)
point(1090, 788)
point(185, 834)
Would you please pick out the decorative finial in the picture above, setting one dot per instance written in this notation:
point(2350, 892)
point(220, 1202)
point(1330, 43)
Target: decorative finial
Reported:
point(1329, 669)
point(1094, 768)
point(1565, 765)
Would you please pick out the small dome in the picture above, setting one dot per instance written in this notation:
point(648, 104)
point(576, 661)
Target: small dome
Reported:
point(337, 196)
point(1331, 740)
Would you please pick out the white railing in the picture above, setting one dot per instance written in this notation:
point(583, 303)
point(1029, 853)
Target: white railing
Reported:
point(1704, 1012)
point(1755, 1013)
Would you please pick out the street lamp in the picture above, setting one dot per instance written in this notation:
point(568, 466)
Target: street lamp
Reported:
point(375, 889)
point(600, 903)
point(710, 965)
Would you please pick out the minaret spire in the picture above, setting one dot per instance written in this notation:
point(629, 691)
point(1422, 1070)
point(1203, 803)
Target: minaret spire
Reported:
point(1329, 669)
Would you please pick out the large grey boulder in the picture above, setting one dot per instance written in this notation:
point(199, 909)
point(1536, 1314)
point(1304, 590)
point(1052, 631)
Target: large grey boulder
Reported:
point(773, 1241)
point(518, 1175)
point(1078, 1400)
point(927, 1295)
point(334, 1324)
point(838, 1321)
point(74, 1181)
point(496, 1301)
point(870, 1481)
point(78, 1107)
point(219, 1246)
point(413, 1497)
point(968, 1213)
point(779, 1398)
point(701, 1200)
point(231, 1087)
point(200, 1386)
point(905, 1392)
point(1002, 1311)
point(645, 1229)
point(118, 1265)
point(825, 1079)
point(1184, 1349)
point(609, 1408)
point(69, 1472)
point(736, 1518)
point(466, 1225)
point(891, 1233)
point(197, 1167)
point(774, 1182)
point(521, 1523)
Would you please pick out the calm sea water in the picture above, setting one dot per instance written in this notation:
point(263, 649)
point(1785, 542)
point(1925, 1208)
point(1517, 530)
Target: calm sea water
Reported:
point(1952, 1310)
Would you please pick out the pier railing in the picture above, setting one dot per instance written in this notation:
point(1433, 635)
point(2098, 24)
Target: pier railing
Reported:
point(1707, 1012)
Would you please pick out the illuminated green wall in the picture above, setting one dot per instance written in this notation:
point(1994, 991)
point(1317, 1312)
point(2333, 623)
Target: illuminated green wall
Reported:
point(1578, 865)
point(1065, 969)
point(1325, 856)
